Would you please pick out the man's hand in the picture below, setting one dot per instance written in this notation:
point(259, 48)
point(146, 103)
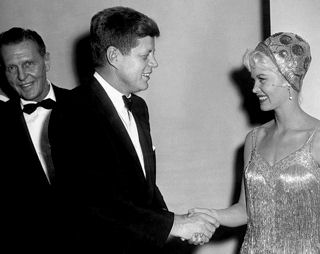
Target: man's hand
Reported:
point(197, 228)
point(198, 238)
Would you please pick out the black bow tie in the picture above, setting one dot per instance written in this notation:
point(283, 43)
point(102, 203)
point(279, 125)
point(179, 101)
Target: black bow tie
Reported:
point(127, 102)
point(31, 107)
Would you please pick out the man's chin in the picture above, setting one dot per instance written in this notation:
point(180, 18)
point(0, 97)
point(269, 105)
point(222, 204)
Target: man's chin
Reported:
point(28, 97)
point(142, 87)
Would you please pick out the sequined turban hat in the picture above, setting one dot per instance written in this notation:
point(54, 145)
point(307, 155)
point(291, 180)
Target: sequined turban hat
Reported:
point(290, 53)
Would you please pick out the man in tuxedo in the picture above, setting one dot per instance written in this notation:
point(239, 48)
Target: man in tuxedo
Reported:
point(102, 148)
point(27, 173)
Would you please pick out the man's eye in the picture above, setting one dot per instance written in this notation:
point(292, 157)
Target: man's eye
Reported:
point(28, 64)
point(11, 68)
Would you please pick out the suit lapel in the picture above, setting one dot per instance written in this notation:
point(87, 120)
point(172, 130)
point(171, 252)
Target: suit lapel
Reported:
point(104, 106)
point(19, 125)
point(141, 116)
point(148, 154)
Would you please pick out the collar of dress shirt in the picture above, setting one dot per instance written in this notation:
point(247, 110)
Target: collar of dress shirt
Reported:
point(114, 94)
point(50, 95)
point(3, 98)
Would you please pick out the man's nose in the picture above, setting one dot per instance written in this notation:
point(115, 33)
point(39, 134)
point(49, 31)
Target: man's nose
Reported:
point(153, 62)
point(21, 74)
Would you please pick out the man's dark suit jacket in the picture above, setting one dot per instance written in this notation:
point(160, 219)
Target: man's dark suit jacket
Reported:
point(28, 201)
point(114, 208)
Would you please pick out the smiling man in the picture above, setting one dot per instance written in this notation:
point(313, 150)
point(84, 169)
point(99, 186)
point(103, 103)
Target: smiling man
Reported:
point(102, 147)
point(25, 68)
point(26, 164)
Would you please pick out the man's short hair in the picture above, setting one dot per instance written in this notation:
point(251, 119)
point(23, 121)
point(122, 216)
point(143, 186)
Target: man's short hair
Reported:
point(119, 27)
point(17, 34)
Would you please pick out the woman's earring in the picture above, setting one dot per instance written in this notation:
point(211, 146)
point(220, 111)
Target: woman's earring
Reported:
point(289, 89)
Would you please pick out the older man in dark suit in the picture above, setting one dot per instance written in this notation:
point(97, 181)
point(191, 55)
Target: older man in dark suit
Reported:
point(102, 148)
point(27, 174)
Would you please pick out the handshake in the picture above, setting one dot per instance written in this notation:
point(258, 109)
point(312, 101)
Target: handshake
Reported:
point(197, 227)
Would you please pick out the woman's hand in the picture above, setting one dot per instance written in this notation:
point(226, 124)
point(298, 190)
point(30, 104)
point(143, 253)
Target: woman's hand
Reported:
point(198, 238)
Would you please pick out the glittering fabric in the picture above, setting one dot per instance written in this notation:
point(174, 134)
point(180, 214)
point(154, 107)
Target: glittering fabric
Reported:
point(283, 204)
point(290, 53)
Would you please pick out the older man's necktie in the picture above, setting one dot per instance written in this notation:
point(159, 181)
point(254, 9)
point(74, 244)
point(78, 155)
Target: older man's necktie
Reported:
point(31, 107)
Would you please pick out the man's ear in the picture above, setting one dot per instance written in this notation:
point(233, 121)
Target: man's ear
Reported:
point(47, 61)
point(113, 56)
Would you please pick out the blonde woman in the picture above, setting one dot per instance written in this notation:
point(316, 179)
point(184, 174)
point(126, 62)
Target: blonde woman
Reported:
point(280, 196)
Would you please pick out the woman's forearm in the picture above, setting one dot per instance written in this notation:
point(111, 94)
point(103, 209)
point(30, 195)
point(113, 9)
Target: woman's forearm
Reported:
point(232, 216)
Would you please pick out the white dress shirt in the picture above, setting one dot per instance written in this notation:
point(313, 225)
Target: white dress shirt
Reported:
point(3, 96)
point(125, 116)
point(37, 123)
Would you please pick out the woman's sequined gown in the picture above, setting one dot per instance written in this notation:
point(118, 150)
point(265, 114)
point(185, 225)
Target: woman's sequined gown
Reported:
point(283, 203)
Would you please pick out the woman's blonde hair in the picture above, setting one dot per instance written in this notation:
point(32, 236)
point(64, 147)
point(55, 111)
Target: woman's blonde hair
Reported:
point(252, 58)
